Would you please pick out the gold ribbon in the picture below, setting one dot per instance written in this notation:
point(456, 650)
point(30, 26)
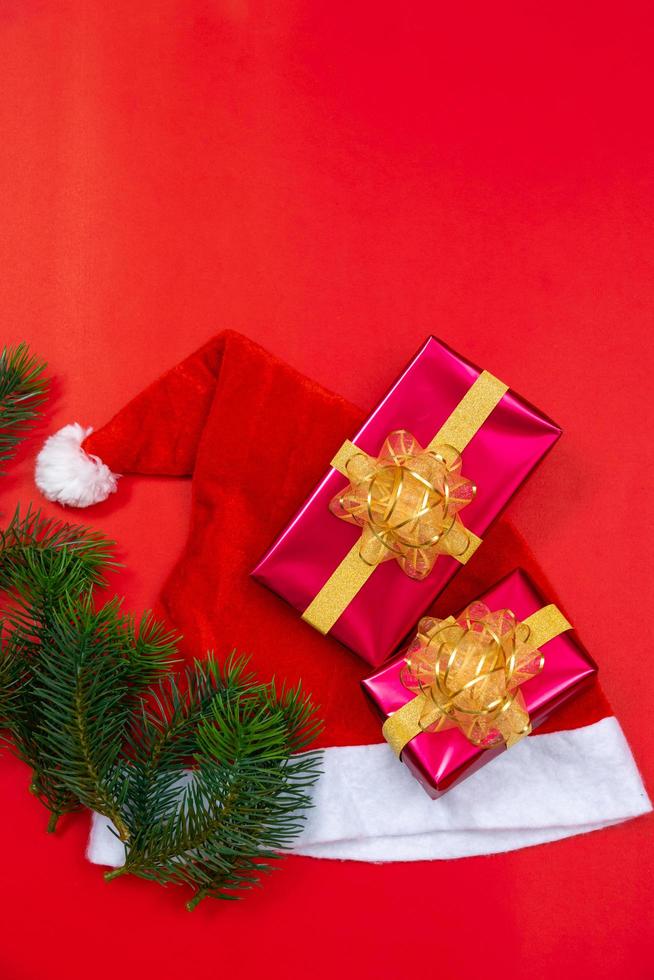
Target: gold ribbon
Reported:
point(466, 673)
point(407, 504)
point(406, 501)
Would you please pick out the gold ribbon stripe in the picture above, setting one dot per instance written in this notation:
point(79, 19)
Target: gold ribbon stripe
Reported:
point(344, 455)
point(471, 412)
point(545, 624)
point(352, 573)
point(349, 577)
point(404, 724)
point(464, 422)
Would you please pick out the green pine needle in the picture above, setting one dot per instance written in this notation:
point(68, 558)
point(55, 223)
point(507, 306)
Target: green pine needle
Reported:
point(44, 565)
point(20, 719)
point(93, 666)
point(214, 787)
point(205, 776)
point(23, 389)
point(43, 556)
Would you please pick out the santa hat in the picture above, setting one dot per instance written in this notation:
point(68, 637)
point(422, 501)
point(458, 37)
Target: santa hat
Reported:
point(255, 436)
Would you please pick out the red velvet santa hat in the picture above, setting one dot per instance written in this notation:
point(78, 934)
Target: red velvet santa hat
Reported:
point(255, 436)
point(157, 433)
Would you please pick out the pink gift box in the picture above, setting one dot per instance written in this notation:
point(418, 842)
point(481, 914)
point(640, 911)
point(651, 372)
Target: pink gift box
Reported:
point(500, 456)
point(439, 760)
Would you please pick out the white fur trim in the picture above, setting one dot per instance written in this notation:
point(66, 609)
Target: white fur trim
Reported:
point(368, 807)
point(67, 474)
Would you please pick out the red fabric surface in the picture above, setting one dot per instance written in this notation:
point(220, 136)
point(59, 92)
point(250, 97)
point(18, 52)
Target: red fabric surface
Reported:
point(336, 181)
point(255, 436)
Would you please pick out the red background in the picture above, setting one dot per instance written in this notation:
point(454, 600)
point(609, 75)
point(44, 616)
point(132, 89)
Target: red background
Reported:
point(337, 180)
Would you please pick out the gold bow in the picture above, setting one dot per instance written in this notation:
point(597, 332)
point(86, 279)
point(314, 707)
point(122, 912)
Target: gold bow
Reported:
point(407, 503)
point(467, 672)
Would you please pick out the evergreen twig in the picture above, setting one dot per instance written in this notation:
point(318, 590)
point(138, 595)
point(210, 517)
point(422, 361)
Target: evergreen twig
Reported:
point(216, 787)
point(23, 389)
point(91, 669)
point(42, 563)
point(204, 777)
point(42, 556)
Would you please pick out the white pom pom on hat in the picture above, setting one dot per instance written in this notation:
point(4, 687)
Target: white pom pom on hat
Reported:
point(67, 474)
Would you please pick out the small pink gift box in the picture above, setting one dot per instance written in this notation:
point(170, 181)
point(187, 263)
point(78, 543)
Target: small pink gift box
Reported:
point(499, 456)
point(440, 759)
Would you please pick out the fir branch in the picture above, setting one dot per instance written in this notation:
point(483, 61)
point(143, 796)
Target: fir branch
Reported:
point(10, 681)
point(47, 571)
point(42, 562)
point(41, 556)
point(23, 389)
point(204, 777)
point(162, 738)
point(93, 665)
point(218, 823)
point(20, 720)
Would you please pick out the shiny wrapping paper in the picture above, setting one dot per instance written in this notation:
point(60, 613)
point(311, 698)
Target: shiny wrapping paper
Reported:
point(441, 759)
point(498, 458)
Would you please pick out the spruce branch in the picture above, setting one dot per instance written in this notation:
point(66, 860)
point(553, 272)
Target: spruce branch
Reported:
point(45, 565)
point(203, 776)
point(92, 667)
point(217, 780)
point(20, 720)
point(23, 389)
point(41, 556)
